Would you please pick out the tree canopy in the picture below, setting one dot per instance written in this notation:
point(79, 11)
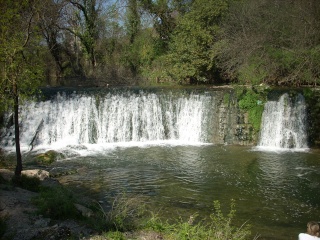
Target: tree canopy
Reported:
point(140, 41)
point(20, 51)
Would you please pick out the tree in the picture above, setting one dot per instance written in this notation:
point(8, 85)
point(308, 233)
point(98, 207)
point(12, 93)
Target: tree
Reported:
point(163, 14)
point(275, 42)
point(50, 24)
point(133, 26)
point(86, 27)
point(192, 51)
point(21, 71)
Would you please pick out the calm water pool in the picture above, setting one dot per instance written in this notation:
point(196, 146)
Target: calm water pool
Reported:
point(276, 192)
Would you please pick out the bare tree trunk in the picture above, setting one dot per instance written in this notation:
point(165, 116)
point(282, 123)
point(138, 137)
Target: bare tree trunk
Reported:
point(17, 130)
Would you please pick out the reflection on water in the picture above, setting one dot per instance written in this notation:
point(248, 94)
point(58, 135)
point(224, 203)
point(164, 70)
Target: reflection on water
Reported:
point(277, 193)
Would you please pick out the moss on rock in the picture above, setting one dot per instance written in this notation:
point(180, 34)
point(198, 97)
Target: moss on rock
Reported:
point(48, 157)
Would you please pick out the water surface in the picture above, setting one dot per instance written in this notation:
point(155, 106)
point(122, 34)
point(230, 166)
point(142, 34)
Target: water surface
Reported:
point(276, 192)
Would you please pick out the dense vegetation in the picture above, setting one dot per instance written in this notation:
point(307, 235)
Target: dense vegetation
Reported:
point(150, 41)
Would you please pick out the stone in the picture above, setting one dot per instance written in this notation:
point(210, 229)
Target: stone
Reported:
point(39, 173)
point(86, 212)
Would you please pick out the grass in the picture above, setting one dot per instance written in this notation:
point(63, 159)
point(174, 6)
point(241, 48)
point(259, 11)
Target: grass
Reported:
point(26, 182)
point(56, 203)
point(218, 227)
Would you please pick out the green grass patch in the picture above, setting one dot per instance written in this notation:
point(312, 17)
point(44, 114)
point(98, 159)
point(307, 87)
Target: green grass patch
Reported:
point(56, 203)
point(26, 182)
point(219, 226)
point(125, 213)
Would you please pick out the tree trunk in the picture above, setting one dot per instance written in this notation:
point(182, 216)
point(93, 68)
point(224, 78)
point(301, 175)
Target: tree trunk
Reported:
point(17, 130)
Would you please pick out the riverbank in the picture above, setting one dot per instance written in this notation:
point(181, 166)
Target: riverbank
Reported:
point(19, 217)
point(22, 220)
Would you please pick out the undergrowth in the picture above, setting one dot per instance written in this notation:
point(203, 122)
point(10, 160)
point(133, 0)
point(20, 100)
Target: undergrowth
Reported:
point(217, 227)
point(26, 182)
point(128, 214)
point(56, 203)
point(252, 101)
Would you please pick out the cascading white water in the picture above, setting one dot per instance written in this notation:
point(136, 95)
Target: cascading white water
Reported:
point(284, 123)
point(115, 117)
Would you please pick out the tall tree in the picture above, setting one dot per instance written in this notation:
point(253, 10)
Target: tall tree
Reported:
point(163, 14)
point(133, 26)
point(51, 24)
point(192, 50)
point(87, 18)
point(20, 67)
point(132, 20)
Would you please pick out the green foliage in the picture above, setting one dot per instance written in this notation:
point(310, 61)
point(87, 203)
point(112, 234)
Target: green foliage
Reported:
point(221, 225)
point(26, 182)
point(139, 54)
point(253, 73)
point(253, 103)
point(124, 213)
point(218, 227)
point(308, 93)
point(48, 157)
point(56, 203)
point(156, 224)
point(114, 235)
point(19, 52)
point(192, 51)
point(284, 49)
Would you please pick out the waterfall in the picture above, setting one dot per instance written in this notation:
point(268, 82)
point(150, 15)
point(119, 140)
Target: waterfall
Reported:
point(284, 123)
point(114, 117)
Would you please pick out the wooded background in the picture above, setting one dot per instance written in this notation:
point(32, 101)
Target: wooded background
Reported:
point(102, 42)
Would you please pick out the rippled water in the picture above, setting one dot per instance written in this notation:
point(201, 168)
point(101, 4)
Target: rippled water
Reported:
point(276, 192)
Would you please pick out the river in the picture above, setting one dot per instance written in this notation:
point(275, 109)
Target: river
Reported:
point(157, 145)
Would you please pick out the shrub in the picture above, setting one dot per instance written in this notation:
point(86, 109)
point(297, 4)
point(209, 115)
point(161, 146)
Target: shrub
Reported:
point(253, 103)
point(56, 203)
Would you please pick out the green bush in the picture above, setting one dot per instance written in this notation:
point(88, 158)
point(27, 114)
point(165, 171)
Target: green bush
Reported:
point(56, 203)
point(253, 103)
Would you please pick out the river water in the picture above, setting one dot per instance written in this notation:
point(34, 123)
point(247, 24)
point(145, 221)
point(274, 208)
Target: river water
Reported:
point(275, 192)
point(155, 145)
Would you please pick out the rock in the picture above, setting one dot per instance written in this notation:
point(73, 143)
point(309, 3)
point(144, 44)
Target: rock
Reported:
point(48, 157)
point(41, 174)
point(86, 212)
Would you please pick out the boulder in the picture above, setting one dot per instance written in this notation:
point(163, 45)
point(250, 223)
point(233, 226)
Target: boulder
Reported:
point(41, 174)
point(86, 212)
